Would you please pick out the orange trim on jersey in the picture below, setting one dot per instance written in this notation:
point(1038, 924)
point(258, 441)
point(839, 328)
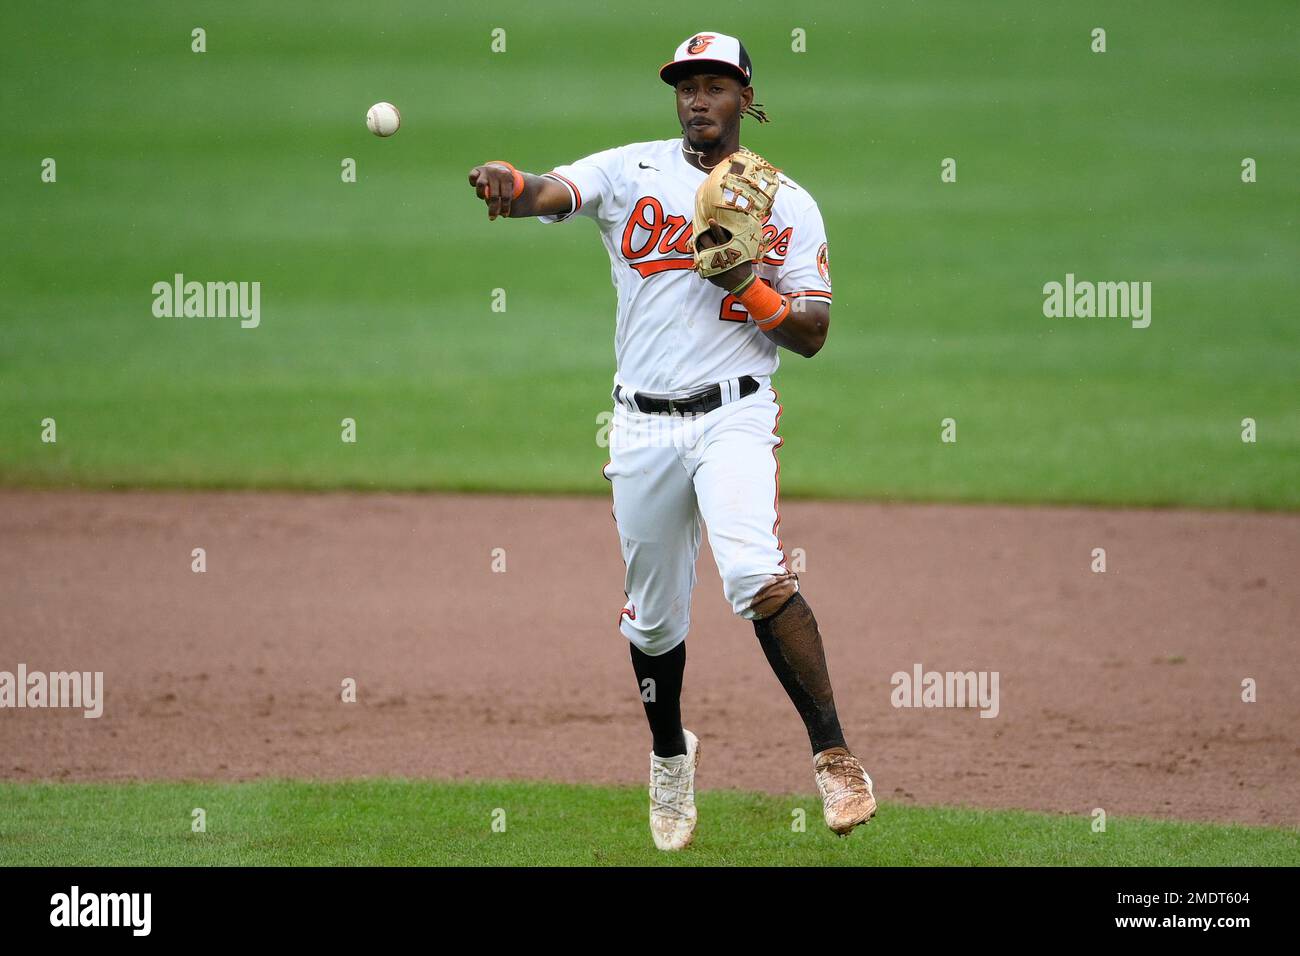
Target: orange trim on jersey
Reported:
point(655, 266)
point(577, 194)
point(816, 293)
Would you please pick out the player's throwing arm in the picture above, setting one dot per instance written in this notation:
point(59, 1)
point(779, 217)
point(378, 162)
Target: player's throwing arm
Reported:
point(508, 192)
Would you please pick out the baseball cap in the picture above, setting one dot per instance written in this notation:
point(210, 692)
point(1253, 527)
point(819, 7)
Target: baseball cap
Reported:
point(708, 50)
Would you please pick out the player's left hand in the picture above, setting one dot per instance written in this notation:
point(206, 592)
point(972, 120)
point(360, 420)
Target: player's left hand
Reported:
point(732, 207)
point(715, 235)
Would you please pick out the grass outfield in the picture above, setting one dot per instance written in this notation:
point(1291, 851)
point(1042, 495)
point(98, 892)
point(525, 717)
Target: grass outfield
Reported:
point(376, 295)
point(418, 823)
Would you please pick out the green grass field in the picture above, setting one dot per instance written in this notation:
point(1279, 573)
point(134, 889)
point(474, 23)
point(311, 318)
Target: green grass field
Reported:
point(376, 305)
point(376, 295)
point(420, 823)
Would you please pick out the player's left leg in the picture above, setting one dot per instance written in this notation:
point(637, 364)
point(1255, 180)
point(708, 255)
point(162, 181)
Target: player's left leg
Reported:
point(792, 643)
point(737, 486)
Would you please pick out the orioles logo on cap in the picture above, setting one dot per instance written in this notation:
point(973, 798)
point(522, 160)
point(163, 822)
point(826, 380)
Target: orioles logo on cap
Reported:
point(699, 43)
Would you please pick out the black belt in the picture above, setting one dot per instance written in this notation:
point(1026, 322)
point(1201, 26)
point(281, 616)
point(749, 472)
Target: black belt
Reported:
point(697, 403)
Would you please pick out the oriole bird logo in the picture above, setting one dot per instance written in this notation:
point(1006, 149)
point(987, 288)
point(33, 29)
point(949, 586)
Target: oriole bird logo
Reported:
point(699, 43)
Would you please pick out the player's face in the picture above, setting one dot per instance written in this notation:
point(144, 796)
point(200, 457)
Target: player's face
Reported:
point(709, 108)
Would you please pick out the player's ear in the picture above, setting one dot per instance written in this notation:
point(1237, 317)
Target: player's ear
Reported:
point(746, 97)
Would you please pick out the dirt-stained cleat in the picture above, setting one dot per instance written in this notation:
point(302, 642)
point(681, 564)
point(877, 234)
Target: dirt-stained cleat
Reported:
point(672, 796)
point(847, 800)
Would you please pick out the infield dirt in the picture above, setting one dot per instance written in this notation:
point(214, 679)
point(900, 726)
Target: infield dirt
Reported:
point(1120, 690)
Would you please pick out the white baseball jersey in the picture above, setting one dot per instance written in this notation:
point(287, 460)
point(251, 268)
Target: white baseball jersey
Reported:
point(675, 331)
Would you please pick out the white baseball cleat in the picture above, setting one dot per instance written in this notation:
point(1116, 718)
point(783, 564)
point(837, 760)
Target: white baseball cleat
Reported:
point(672, 796)
point(847, 799)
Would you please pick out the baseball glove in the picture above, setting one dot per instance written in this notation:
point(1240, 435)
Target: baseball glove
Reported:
point(738, 196)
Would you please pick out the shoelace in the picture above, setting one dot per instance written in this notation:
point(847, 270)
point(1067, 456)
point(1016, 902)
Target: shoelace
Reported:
point(661, 780)
point(846, 771)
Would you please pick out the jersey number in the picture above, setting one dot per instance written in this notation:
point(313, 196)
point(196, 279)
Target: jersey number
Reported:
point(732, 310)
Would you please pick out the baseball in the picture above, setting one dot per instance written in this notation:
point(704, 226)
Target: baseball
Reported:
point(382, 119)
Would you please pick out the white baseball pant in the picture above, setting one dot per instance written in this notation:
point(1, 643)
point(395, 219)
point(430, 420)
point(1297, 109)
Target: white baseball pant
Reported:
point(670, 471)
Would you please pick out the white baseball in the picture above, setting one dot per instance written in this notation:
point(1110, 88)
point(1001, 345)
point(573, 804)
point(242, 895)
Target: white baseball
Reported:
point(382, 119)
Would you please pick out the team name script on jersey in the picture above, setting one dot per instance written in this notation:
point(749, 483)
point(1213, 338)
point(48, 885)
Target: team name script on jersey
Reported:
point(650, 232)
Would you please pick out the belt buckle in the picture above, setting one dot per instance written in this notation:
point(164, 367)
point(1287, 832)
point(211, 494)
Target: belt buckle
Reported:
point(688, 404)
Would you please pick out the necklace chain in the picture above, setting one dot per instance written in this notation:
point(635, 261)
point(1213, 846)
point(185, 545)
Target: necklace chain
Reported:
point(698, 154)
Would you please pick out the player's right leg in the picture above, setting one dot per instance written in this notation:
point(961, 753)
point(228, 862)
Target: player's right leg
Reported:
point(659, 532)
point(654, 506)
point(658, 529)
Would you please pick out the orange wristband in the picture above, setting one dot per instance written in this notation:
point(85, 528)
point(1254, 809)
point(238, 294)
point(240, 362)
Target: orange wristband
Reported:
point(767, 307)
point(519, 177)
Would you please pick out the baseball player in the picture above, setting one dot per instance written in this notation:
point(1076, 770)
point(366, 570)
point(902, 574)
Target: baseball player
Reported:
point(718, 260)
